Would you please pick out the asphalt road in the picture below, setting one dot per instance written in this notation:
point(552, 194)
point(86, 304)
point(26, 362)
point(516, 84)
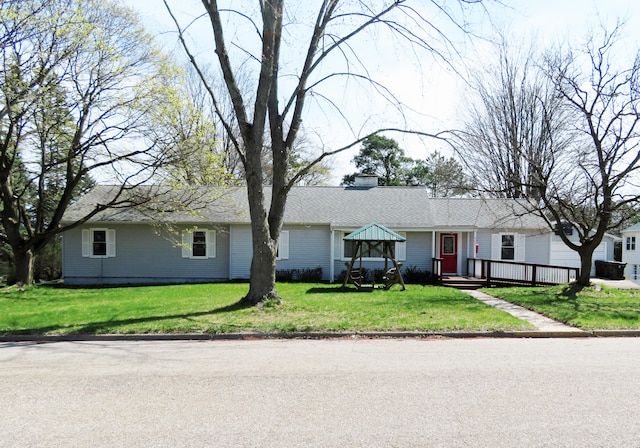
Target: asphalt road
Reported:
point(322, 393)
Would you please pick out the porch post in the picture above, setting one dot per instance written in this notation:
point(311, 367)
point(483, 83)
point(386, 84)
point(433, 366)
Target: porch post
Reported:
point(433, 251)
point(332, 256)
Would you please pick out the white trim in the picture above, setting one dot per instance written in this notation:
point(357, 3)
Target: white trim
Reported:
point(209, 240)
point(283, 245)
point(460, 253)
point(519, 246)
point(111, 243)
point(400, 248)
point(433, 245)
point(230, 251)
point(88, 240)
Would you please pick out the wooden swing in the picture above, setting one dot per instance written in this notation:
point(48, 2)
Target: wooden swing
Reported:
point(375, 235)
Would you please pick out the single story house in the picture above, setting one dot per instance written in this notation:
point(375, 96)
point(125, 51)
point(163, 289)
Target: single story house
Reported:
point(631, 252)
point(213, 241)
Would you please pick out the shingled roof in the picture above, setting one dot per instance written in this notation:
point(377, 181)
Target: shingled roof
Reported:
point(340, 207)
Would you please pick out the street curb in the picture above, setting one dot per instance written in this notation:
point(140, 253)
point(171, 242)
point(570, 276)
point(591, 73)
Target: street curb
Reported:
point(318, 335)
point(616, 333)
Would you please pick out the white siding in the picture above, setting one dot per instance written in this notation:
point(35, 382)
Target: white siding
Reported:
point(240, 252)
point(309, 248)
point(536, 245)
point(631, 257)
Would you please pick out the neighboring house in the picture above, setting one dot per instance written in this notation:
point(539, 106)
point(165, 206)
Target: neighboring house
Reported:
point(631, 252)
point(213, 243)
point(562, 255)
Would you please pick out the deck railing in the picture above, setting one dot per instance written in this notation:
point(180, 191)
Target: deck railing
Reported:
point(497, 271)
point(436, 264)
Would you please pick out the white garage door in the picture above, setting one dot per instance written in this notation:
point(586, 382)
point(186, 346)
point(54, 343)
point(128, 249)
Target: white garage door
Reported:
point(561, 255)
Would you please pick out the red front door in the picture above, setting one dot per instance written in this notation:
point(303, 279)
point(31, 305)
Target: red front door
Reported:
point(449, 252)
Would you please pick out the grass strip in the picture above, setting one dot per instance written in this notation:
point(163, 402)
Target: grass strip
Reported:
point(215, 308)
point(593, 308)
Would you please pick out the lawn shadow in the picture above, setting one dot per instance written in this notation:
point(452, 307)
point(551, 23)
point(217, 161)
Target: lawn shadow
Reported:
point(94, 327)
point(338, 289)
point(571, 291)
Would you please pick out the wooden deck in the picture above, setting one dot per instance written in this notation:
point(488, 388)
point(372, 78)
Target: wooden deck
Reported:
point(487, 273)
point(462, 282)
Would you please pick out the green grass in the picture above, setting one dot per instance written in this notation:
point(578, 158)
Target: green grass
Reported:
point(214, 308)
point(591, 309)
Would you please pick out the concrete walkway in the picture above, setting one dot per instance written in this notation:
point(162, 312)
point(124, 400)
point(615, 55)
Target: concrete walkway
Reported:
point(542, 323)
point(619, 284)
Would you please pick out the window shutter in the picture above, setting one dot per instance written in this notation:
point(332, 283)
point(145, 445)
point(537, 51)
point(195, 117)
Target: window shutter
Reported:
point(111, 242)
point(496, 246)
point(283, 245)
point(401, 248)
point(520, 242)
point(211, 243)
point(86, 243)
point(186, 244)
point(338, 244)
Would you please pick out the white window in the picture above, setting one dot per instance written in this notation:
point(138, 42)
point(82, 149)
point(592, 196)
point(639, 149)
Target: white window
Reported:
point(373, 251)
point(99, 243)
point(508, 246)
point(283, 246)
point(199, 244)
point(631, 243)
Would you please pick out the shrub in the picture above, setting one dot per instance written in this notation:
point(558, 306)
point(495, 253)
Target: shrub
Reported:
point(376, 275)
point(310, 275)
point(415, 275)
point(284, 275)
point(306, 275)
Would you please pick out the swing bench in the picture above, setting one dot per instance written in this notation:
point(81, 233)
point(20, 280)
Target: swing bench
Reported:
point(378, 238)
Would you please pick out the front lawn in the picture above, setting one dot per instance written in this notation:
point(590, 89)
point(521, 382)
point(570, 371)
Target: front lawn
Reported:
point(593, 308)
point(213, 308)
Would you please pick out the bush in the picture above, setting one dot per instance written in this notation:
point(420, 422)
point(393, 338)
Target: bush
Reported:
point(299, 275)
point(376, 275)
point(414, 275)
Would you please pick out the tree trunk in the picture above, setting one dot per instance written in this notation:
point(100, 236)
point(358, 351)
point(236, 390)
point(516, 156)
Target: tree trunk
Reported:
point(262, 284)
point(586, 258)
point(263, 271)
point(24, 266)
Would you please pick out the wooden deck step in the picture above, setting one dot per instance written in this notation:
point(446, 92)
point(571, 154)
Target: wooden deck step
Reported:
point(462, 282)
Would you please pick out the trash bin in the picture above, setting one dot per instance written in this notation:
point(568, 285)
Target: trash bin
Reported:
point(613, 270)
point(599, 268)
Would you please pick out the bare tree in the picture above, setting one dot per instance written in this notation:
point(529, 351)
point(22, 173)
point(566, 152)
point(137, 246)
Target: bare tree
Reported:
point(604, 97)
point(77, 81)
point(285, 76)
point(562, 137)
point(518, 130)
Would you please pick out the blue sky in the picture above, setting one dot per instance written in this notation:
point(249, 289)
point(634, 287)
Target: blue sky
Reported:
point(433, 92)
